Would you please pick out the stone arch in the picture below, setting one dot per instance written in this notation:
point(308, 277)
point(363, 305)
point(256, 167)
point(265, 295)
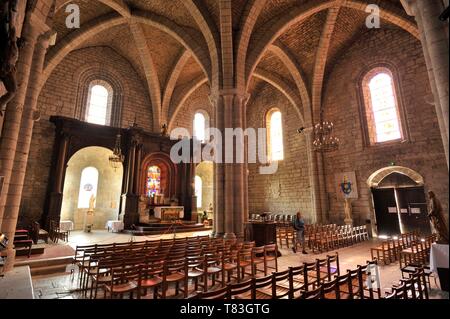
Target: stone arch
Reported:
point(275, 27)
point(382, 173)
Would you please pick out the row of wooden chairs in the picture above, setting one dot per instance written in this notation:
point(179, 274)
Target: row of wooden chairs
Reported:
point(414, 287)
point(291, 284)
point(409, 247)
point(158, 271)
point(243, 258)
point(324, 238)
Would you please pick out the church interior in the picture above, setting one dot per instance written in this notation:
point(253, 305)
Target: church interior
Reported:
point(224, 149)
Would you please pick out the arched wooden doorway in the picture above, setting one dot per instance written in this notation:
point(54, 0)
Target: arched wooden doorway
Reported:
point(399, 201)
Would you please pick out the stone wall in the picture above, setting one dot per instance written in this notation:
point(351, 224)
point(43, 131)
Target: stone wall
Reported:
point(288, 190)
point(422, 151)
point(60, 96)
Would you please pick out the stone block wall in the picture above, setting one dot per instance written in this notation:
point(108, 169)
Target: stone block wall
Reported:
point(288, 190)
point(59, 96)
point(422, 151)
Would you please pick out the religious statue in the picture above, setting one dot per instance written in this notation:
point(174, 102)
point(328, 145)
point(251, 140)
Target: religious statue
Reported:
point(437, 219)
point(348, 211)
point(9, 51)
point(89, 221)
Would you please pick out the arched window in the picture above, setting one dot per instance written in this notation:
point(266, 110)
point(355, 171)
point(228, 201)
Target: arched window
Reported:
point(88, 186)
point(200, 126)
point(153, 181)
point(199, 190)
point(274, 124)
point(99, 102)
point(382, 112)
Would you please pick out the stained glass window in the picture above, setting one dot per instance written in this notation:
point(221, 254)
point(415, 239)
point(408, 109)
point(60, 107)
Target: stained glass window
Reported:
point(384, 108)
point(153, 181)
point(88, 186)
point(275, 135)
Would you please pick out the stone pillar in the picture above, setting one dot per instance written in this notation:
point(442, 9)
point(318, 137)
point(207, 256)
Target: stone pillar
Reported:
point(32, 29)
point(434, 38)
point(219, 172)
point(14, 195)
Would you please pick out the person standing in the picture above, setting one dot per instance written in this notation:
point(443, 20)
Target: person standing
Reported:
point(299, 226)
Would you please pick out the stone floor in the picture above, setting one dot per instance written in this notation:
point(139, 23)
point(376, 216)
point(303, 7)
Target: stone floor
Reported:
point(63, 286)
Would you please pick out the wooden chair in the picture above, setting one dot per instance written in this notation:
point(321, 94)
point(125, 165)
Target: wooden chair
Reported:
point(175, 272)
point(261, 288)
point(213, 268)
point(124, 280)
point(258, 258)
point(270, 256)
point(384, 252)
point(38, 233)
point(244, 261)
point(151, 276)
point(279, 289)
point(56, 233)
point(296, 281)
point(345, 288)
point(310, 279)
point(196, 271)
point(230, 265)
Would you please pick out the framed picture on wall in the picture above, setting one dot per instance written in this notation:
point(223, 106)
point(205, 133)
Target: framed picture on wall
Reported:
point(346, 185)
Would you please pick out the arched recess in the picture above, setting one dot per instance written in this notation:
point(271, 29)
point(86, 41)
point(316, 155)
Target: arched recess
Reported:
point(168, 174)
point(109, 187)
point(381, 174)
point(399, 202)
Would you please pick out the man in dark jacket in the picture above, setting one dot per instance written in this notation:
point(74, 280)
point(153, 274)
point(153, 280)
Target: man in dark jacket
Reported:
point(299, 226)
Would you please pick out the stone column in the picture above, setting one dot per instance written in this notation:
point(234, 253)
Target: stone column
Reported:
point(14, 195)
point(32, 29)
point(434, 38)
point(229, 182)
point(219, 172)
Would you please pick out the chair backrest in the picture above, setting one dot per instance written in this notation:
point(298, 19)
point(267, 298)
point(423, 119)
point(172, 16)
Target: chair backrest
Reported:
point(344, 285)
point(240, 288)
point(330, 289)
point(296, 276)
point(260, 283)
point(311, 294)
point(280, 277)
point(218, 294)
point(310, 268)
point(125, 274)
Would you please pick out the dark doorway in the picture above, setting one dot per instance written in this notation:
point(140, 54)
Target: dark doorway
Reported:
point(386, 211)
point(400, 206)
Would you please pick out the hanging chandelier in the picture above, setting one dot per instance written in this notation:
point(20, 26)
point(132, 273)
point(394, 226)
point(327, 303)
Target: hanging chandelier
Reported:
point(116, 159)
point(324, 141)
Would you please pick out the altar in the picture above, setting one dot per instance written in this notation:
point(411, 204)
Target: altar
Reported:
point(169, 213)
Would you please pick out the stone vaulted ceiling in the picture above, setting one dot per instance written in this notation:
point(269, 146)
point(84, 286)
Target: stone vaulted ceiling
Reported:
point(176, 46)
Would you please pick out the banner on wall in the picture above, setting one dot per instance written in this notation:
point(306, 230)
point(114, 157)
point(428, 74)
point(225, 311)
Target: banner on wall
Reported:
point(346, 186)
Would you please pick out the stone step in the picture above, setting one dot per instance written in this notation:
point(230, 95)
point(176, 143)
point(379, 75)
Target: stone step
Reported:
point(48, 270)
point(46, 266)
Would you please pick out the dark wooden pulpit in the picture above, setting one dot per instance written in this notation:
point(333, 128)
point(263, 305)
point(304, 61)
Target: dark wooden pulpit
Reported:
point(262, 232)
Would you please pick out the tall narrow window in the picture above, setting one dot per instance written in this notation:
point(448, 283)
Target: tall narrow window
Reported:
point(274, 126)
point(153, 181)
point(200, 127)
point(88, 186)
point(199, 190)
point(98, 108)
point(382, 111)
